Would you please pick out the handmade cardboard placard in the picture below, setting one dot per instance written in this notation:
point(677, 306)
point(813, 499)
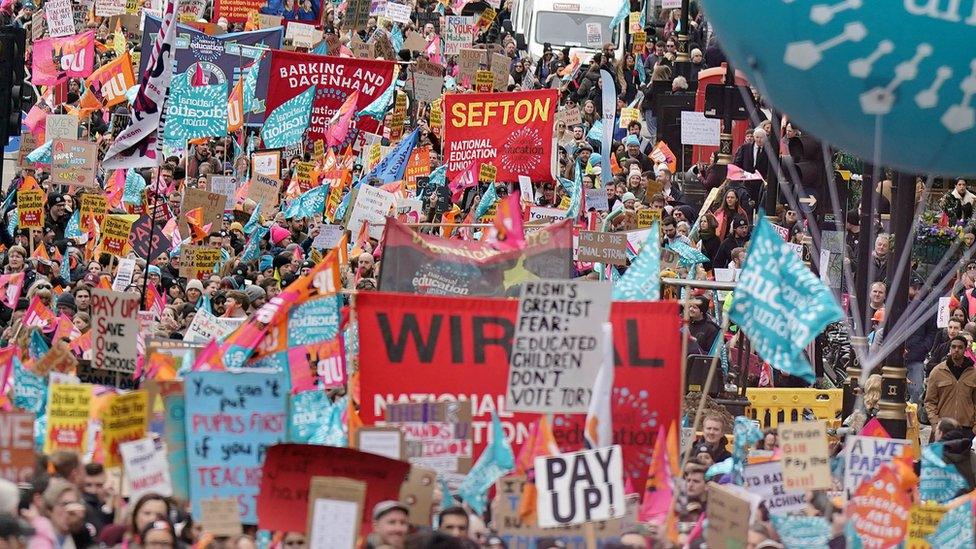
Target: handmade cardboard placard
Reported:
point(417, 493)
point(383, 441)
point(806, 463)
point(220, 517)
point(728, 518)
point(335, 509)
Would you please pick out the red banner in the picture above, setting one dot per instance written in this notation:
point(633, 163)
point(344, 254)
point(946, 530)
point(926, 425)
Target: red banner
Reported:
point(288, 469)
point(415, 348)
point(513, 131)
point(335, 78)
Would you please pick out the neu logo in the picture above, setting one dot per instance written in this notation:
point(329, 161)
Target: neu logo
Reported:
point(853, 71)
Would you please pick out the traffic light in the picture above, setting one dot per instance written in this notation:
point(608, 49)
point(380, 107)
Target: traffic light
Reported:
point(12, 75)
point(808, 173)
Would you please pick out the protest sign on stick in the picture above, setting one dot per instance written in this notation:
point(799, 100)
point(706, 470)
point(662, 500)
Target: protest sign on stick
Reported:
point(16, 446)
point(115, 327)
point(146, 469)
point(579, 487)
point(806, 464)
point(555, 353)
point(335, 510)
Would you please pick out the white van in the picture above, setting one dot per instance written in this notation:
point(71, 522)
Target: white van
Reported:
point(564, 23)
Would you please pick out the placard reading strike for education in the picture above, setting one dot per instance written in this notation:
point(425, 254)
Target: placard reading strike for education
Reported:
point(556, 353)
point(580, 487)
point(231, 421)
point(116, 326)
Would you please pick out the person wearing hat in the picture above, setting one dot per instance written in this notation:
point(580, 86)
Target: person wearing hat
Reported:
point(737, 239)
point(623, 217)
point(255, 295)
point(632, 144)
point(390, 524)
point(58, 216)
point(194, 291)
point(66, 304)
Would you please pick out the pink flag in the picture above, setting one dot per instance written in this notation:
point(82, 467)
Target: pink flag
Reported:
point(339, 126)
point(464, 180)
point(11, 286)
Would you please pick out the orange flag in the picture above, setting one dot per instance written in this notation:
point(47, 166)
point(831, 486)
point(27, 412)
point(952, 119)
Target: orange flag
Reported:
point(235, 107)
point(112, 80)
point(41, 252)
point(194, 220)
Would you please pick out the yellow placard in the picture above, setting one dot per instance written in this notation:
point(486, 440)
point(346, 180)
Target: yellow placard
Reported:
point(125, 419)
point(647, 217)
point(67, 417)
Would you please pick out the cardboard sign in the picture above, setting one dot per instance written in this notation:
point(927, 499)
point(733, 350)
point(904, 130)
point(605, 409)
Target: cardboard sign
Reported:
point(16, 446)
point(146, 468)
point(27, 144)
point(579, 487)
point(372, 205)
point(73, 163)
point(198, 261)
point(266, 163)
point(58, 359)
point(500, 65)
point(863, 456)
point(556, 353)
point(30, 208)
point(520, 533)
point(283, 502)
point(68, 407)
point(728, 518)
point(398, 12)
point(417, 493)
point(264, 191)
point(600, 247)
point(437, 435)
point(61, 127)
point(596, 199)
point(766, 480)
point(382, 441)
point(206, 327)
point(212, 204)
point(806, 464)
point(335, 510)
point(115, 326)
point(458, 33)
point(469, 62)
point(647, 216)
point(698, 130)
point(225, 185)
point(60, 18)
point(232, 420)
point(125, 419)
point(569, 116)
point(220, 517)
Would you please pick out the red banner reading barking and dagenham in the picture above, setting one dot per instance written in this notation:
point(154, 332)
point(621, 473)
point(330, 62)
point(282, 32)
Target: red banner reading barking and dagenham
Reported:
point(334, 78)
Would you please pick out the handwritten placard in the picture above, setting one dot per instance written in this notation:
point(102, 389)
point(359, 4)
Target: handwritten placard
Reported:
point(116, 325)
point(556, 353)
point(232, 419)
point(698, 130)
point(146, 469)
point(335, 510)
point(806, 464)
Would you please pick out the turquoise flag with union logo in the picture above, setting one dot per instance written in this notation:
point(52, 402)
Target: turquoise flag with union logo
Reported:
point(780, 304)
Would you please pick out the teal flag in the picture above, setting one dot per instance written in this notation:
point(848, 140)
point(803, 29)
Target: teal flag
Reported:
point(746, 433)
point(802, 532)
point(194, 111)
point(396, 37)
point(438, 177)
point(30, 389)
point(939, 481)
point(642, 281)
point(622, 15)
point(254, 220)
point(955, 529)
point(687, 256)
point(641, 71)
point(495, 461)
point(37, 346)
point(253, 248)
point(73, 229)
point(134, 185)
point(487, 199)
point(377, 109)
point(42, 154)
point(251, 103)
point(780, 304)
point(309, 204)
point(321, 49)
point(286, 125)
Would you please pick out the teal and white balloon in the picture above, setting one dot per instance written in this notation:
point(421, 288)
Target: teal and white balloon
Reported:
point(853, 72)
